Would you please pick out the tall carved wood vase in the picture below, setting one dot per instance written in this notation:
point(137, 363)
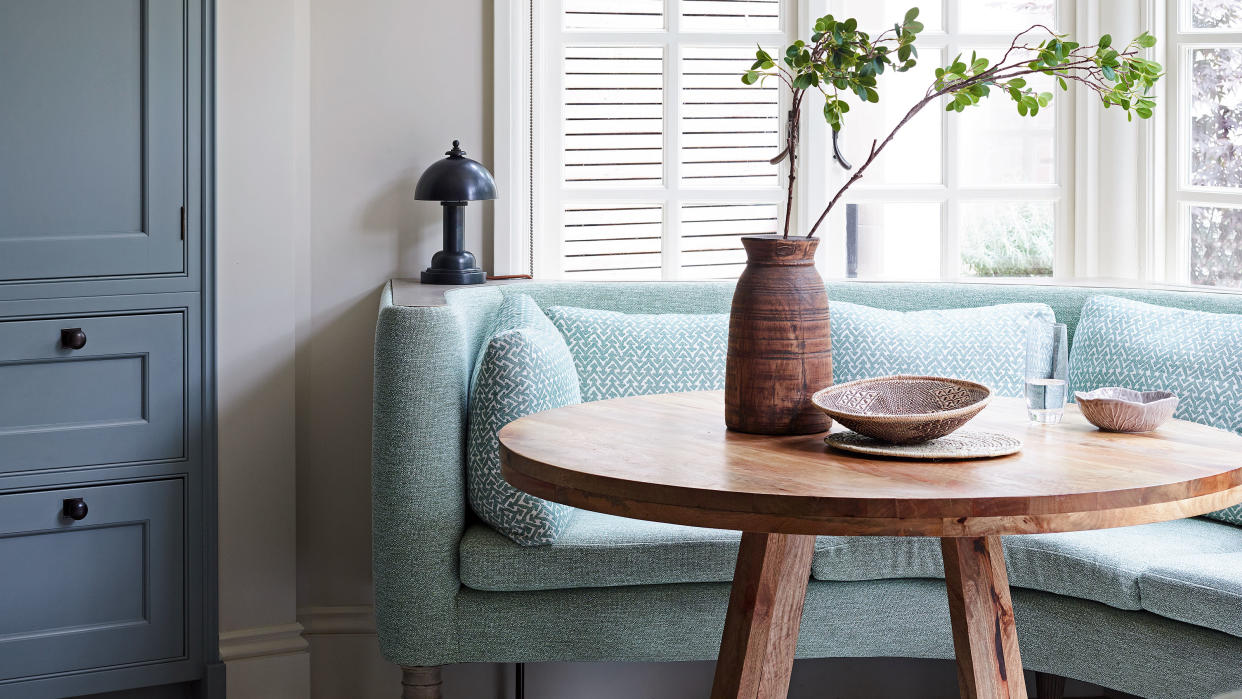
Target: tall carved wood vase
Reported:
point(780, 347)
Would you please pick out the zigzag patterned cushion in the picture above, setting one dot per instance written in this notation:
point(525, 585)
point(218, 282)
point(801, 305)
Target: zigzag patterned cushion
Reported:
point(623, 354)
point(525, 368)
point(1194, 354)
point(986, 345)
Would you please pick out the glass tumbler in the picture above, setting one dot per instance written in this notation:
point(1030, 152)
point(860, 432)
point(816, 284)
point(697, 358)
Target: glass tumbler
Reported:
point(1047, 371)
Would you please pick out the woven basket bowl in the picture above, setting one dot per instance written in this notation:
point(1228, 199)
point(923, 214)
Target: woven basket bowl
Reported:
point(904, 409)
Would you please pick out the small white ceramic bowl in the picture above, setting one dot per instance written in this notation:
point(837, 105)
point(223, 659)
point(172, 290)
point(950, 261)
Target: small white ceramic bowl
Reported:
point(1116, 409)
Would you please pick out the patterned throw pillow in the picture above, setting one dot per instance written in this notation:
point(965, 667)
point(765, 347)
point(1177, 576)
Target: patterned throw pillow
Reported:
point(986, 345)
point(622, 354)
point(525, 368)
point(1194, 354)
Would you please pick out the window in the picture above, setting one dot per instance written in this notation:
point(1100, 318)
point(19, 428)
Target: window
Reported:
point(652, 157)
point(633, 151)
point(1205, 209)
point(983, 193)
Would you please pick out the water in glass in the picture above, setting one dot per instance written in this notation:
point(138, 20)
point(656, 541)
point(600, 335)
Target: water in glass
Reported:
point(1047, 371)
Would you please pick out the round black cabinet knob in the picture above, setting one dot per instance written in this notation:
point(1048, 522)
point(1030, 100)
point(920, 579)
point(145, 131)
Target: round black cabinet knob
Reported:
point(73, 338)
point(75, 508)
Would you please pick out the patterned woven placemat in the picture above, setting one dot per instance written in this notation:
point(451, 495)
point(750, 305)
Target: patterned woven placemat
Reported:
point(964, 444)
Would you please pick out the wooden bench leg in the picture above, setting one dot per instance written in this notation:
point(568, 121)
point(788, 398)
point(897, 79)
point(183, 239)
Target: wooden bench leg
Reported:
point(765, 609)
point(1049, 686)
point(421, 683)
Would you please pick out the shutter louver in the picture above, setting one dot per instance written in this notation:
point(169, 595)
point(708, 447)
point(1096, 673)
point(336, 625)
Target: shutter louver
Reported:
point(731, 15)
point(729, 131)
point(614, 115)
point(613, 15)
point(608, 240)
point(711, 245)
point(664, 155)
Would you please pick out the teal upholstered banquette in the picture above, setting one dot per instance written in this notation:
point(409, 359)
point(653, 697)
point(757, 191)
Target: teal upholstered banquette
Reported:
point(1154, 610)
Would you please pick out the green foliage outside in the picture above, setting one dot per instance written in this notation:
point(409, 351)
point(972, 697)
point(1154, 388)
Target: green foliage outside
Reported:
point(1009, 241)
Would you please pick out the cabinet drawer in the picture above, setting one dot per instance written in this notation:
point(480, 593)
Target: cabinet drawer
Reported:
point(104, 590)
point(119, 398)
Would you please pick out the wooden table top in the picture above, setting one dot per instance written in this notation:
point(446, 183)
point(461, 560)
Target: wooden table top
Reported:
point(669, 458)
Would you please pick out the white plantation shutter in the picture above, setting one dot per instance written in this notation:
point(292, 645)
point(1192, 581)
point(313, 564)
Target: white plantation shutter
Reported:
point(652, 157)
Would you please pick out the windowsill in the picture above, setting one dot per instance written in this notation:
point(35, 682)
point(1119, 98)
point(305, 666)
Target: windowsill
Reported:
point(1092, 283)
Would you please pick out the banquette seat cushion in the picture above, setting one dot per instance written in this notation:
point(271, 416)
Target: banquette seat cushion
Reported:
point(1147, 567)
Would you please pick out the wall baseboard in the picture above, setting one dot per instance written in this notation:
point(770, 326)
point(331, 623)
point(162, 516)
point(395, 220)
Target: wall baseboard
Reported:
point(338, 619)
point(244, 644)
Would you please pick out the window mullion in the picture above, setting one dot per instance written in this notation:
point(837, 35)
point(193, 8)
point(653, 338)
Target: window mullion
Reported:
point(670, 257)
point(950, 245)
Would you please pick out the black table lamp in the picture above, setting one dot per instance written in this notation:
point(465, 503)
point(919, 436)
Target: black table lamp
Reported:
point(453, 182)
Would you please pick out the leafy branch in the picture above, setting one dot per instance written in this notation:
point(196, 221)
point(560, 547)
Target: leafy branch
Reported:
point(842, 58)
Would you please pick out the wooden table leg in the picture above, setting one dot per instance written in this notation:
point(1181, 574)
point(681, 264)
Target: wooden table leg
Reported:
point(984, 635)
point(765, 609)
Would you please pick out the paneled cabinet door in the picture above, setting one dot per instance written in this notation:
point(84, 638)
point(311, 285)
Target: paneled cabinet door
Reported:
point(92, 138)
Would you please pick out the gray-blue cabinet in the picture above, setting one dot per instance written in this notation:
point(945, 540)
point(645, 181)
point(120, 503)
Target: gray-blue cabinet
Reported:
point(107, 473)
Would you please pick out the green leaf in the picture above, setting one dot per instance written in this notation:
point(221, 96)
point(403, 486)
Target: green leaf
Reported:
point(903, 53)
point(1146, 40)
point(1143, 112)
point(750, 78)
point(803, 81)
point(1064, 85)
point(872, 95)
point(1109, 73)
point(1105, 42)
point(915, 27)
point(850, 25)
point(911, 15)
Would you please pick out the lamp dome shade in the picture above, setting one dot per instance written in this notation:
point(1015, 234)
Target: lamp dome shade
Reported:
point(456, 178)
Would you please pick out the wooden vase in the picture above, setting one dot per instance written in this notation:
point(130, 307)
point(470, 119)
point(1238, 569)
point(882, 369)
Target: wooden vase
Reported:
point(780, 348)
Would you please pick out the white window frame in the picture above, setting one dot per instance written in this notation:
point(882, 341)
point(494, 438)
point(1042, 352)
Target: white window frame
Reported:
point(1109, 226)
point(545, 230)
point(1173, 153)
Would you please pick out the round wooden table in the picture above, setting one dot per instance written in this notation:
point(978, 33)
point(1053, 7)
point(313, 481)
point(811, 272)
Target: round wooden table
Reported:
point(669, 458)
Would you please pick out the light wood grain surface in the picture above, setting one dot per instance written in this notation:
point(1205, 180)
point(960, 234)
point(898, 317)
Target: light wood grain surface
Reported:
point(669, 458)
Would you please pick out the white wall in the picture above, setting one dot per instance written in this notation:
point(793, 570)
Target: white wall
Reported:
point(262, 195)
point(393, 82)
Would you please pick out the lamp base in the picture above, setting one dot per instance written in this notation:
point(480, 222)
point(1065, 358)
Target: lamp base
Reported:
point(453, 276)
